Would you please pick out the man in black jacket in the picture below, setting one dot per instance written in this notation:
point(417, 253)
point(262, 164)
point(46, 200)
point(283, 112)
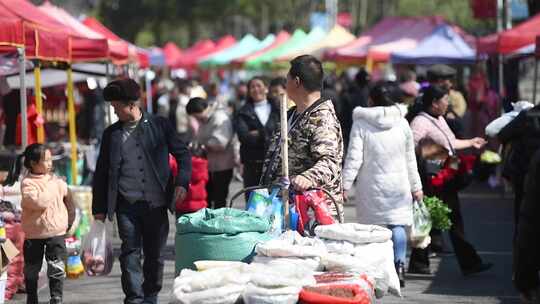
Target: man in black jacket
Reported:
point(133, 180)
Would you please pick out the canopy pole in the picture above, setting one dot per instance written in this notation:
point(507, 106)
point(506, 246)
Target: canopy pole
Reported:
point(22, 88)
point(535, 85)
point(369, 64)
point(72, 126)
point(285, 158)
point(39, 103)
point(148, 83)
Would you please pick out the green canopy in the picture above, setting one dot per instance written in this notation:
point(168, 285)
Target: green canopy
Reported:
point(259, 62)
point(315, 36)
point(247, 45)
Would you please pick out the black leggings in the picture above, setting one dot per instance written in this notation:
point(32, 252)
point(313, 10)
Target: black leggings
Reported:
point(54, 249)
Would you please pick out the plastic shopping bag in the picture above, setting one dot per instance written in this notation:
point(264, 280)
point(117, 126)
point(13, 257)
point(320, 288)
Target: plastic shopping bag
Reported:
point(315, 200)
point(97, 252)
point(268, 206)
point(421, 225)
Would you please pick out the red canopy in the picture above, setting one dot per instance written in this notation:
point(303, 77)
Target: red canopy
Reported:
point(40, 39)
point(203, 48)
point(133, 54)
point(511, 40)
point(117, 51)
point(391, 34)
point(57, 38)
point(281, 38)
point(11, 35)
point(172, 53)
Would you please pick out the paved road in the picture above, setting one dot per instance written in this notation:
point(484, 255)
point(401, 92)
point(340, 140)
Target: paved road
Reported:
point(488, 222)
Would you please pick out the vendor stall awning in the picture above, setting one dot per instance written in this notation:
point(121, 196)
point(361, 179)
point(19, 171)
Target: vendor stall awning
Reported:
point(172, 53)
point(260, 61)
point(281, 38)
point(511, 40)
point(444, 45)
point(245, 46)
point(392, 33)
point(202, 49)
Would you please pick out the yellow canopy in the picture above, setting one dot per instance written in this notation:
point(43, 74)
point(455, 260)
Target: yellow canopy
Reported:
point(337, 37)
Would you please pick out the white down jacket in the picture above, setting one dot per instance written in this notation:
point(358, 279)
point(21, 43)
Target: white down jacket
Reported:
point(381, 157)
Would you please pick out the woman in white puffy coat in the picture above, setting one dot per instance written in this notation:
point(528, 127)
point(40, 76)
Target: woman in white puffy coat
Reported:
point(381, 157)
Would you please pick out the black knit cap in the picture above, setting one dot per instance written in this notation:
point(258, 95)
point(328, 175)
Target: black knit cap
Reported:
point(122, 90)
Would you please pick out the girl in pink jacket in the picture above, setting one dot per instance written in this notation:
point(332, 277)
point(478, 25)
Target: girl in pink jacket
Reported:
point(44, 221)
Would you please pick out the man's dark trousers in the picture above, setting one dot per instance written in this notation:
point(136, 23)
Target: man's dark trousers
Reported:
point(142, 227)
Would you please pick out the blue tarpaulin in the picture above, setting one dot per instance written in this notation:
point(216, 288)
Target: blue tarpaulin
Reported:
point(444, 45)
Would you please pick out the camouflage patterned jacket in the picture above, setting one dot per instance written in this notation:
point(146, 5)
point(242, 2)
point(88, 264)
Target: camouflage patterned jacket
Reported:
point(315, 150)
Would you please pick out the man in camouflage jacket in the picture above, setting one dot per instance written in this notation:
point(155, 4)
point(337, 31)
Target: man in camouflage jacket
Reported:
point(315, 140)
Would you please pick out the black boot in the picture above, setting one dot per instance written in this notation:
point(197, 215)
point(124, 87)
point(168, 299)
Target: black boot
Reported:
point(400, 269)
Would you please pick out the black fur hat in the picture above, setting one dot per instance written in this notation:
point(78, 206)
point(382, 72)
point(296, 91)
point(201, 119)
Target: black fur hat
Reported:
point(122, 90)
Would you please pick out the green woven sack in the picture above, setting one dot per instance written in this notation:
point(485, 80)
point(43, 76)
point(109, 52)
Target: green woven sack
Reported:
point(221, 235)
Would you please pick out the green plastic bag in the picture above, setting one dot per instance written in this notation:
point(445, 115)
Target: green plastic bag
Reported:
point(221, 235)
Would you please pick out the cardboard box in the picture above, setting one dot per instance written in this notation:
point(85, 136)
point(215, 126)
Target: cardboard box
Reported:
point(9, 251)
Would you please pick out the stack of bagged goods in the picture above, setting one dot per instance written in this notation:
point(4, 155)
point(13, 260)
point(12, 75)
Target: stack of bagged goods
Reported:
point(365, 249)
point(276, 283)
point(339, 288)
point(290, 248)
point(223, 285)
point(231, 282)
point(220, 235)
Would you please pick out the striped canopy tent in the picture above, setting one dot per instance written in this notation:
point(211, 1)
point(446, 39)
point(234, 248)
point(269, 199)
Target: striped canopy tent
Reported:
point(281, 38)
point(172, 53)
point(391, 34)
point(246, 46)
point(202, 49)
point(262, 60)
point(117, 50)
point(336, 37)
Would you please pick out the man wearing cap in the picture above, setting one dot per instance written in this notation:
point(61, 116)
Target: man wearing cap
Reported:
point(133, 180)
point(442, 74)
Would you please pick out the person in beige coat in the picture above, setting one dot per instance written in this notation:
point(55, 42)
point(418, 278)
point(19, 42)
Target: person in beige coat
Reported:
point(44, 221)
point(215, 138)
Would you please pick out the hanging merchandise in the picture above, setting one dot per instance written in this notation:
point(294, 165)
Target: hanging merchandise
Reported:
point(317, 201)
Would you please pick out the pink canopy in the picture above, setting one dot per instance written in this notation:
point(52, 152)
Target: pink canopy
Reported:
point(203, 48)
point(391, 34)
point(511, 40)
point(117, 50)
point(172, 53)
point(281, 38)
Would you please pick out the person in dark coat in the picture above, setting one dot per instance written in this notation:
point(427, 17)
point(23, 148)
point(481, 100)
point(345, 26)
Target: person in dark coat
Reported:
point(134, 181)
point(523, 136)
point(356, 96)
point(255, 123)
point(527, 244)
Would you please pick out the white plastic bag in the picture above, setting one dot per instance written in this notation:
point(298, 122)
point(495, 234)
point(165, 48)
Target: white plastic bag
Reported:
point(421, 225)
point(292, 244)
point(354, 233)
point(310, 263)
point(494, 127)
point(227, 294)
point(279, 275)
point(258, 295)
point(339, 247)
point(97, 251)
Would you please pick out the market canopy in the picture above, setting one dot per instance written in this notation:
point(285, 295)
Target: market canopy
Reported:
point(338, 36)
point(117, 50)
point(79, 47)
point(172, 53)
point(260, 61)
point(39, 41)
point(281, 38)
point(134, 53)
point(156, 57)
point(391, 34)
point(511, 40)
point(284, 54)
point(444, 45)
point(202, 49)
point(245, 46)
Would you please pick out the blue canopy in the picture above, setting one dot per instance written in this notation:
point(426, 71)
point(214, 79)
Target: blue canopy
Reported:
point(444, 46)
